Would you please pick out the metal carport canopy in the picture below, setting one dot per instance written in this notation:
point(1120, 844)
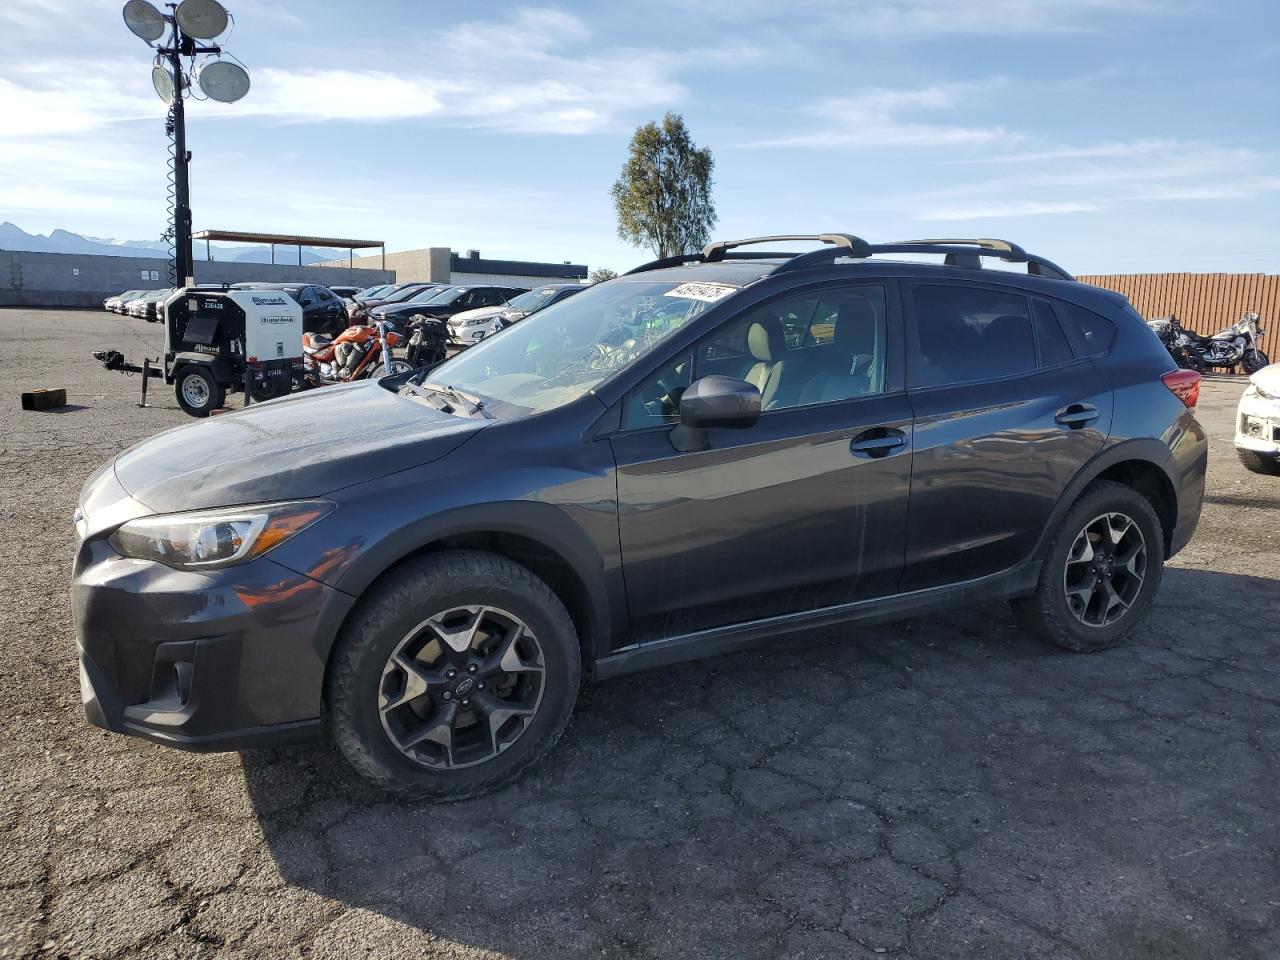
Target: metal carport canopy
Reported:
point(289, 240)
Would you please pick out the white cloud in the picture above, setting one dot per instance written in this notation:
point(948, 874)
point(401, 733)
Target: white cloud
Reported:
point(876, 118)
point(922, 18)
point(988, 210)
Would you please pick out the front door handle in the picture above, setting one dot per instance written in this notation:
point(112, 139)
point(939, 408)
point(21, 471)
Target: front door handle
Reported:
point(878, 442)
point(1077, 415)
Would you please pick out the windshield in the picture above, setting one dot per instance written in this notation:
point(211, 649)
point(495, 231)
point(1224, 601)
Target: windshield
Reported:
point(561, 352)
point(531, 301)
point(407, 293)
point(372, 292)
point(444, 297)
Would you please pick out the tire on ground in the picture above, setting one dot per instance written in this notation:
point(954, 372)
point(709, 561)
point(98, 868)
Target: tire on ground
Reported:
point(214, 392)
point(1258, 463)
point(391, 609)
point(1046, 612)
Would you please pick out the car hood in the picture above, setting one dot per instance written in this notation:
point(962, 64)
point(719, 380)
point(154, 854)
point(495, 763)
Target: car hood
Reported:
point(305, 445)
point(1268, 380)
point(480, 313)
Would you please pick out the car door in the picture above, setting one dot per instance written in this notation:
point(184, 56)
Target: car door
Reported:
point(1006, 414)
point(805, 509)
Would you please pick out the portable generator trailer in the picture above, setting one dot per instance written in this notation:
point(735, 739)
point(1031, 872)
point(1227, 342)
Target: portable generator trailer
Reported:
point(219, 341)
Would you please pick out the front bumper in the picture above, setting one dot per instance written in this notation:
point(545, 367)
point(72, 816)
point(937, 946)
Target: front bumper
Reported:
point(216, 660)
point(1258, 424)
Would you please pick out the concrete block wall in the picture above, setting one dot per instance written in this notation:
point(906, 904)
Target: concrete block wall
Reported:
point(29, 279)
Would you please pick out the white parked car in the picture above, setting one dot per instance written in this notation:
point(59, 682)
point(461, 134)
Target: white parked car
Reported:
point(467, 328)
point(1258, 422)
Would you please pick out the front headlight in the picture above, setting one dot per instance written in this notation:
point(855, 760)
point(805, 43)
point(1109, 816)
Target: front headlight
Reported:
point(476, 321)
point(216, 538)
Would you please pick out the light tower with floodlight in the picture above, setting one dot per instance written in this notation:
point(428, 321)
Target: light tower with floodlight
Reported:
point(187, 23)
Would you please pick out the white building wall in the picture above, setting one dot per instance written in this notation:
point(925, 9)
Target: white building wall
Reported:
point(504, 280)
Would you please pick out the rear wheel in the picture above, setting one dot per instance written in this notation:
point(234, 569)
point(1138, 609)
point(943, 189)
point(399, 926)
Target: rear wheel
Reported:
point(1258, 463)
point(1100, 573)
point(198, 392)
point(454, 676)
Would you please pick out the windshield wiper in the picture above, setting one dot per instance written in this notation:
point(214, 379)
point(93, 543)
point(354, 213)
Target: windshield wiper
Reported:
point(470, 403)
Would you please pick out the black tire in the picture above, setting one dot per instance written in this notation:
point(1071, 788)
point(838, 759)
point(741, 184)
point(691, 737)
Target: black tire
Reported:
point(1048, 614)
point(1193, 359)
point(1256, 462)
point(403, 602)
point(1253, 361)
point(198, 393)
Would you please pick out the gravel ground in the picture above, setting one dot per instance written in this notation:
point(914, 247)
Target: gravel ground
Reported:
point(939, 788)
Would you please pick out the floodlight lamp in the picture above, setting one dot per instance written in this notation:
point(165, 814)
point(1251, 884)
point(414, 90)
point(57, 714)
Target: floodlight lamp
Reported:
point(144, 20)
point(223, 81)
point(202, 19)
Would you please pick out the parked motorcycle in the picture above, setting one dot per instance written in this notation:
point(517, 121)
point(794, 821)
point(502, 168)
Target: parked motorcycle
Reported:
point(358, 353)
point(428, 340)
point(1237, 345)
point(1177, 342)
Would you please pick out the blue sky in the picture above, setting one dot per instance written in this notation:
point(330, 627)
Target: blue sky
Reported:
point(1109, 135)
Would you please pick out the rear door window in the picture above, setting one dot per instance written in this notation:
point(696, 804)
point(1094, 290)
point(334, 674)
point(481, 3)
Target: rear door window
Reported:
point(968, 333)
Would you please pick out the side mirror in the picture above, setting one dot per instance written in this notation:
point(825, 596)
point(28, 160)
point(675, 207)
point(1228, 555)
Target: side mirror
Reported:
point(714, 401)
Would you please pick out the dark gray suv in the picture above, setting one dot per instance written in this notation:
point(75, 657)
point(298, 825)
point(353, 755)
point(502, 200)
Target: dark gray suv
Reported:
point(712, 451)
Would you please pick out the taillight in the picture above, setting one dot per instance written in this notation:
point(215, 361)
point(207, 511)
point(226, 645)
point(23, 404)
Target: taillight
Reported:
point(1185, 385)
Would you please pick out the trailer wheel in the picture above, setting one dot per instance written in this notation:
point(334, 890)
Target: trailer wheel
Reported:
point(198, 393)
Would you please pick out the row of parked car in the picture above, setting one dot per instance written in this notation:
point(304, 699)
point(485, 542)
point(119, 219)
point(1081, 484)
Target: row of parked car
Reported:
point(472, 311)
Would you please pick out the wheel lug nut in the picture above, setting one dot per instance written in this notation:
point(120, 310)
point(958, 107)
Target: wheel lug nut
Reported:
point(471, 669)
point(466, 703)
point(446, 695)
point(451, 674)
point(480, 685)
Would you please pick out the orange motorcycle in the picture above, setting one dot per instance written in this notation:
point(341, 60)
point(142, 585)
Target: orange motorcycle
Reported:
point(362, 352)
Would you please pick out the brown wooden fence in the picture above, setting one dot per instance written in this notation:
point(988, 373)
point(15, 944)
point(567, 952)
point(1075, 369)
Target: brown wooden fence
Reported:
point(1203, 302)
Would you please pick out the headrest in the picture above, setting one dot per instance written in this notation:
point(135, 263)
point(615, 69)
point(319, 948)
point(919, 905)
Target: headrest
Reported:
point(855, 326)
point(766, 340)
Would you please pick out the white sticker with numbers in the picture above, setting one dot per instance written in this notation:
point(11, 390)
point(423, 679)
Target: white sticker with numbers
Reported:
point(710, 292)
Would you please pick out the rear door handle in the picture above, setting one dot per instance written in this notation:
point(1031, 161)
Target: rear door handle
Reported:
point(878, 442)
point(1077, 415)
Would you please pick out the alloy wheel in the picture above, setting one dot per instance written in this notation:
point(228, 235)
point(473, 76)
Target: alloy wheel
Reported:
point(1105, 569)
point(461, 687)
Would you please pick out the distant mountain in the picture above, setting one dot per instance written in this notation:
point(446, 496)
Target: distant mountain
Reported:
point(13, 237)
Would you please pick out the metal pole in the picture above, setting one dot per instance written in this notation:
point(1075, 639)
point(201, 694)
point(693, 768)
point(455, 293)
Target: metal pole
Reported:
point(273, 254)
point(182, 188)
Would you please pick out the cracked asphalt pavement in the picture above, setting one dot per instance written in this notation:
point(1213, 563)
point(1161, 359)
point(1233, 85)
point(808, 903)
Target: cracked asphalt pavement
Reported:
point(944, 787)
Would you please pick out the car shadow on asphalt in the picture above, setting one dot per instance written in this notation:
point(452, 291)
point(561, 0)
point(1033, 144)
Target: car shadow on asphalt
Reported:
point(941, 787)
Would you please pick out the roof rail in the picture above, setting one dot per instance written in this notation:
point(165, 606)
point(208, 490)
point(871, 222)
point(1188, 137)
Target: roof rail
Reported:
point(957, 253)
point(958, 256)
point(683, 258)
point(856, 246)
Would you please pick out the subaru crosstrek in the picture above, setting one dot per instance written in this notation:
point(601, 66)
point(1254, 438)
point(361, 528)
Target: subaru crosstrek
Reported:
point(712, 451)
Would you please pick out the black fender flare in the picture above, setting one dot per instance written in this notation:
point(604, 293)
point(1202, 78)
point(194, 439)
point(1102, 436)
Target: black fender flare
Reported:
point(220, 366)
point(543, 523)
point(1144, 449)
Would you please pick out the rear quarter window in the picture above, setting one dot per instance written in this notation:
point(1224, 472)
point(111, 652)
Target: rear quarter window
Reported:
point(1095, 331)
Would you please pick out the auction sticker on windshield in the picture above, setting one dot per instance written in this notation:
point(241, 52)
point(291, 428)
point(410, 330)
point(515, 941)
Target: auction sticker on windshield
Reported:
point(708, 292)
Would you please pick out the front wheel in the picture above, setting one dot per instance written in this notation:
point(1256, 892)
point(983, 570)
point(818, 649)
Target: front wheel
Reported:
point(1256, 462)
point(1192, 359)
point(198, 392)
point(1101, 572)
point(456, 674)
point(1253, 361)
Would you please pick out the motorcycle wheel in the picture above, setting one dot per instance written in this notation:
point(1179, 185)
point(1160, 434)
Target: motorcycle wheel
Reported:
point(1253, 361)
point(1192, 360)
